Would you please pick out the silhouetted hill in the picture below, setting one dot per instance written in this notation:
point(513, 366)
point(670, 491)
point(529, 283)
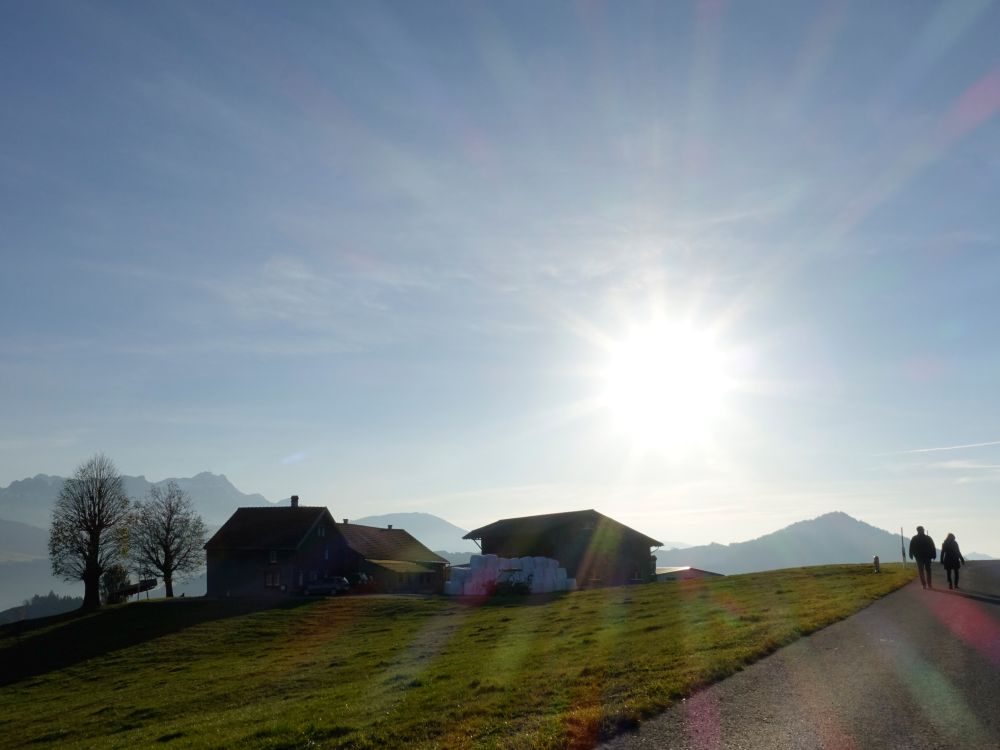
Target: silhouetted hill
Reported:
point(41, 606)
point(433, 532)
point(31, 500)
point(831, 538)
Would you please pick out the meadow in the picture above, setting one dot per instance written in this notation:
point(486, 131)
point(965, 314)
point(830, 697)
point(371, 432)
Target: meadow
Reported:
point(374, 672)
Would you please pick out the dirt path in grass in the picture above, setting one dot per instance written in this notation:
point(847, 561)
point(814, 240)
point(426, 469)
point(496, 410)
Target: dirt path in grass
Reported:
point(917, 669)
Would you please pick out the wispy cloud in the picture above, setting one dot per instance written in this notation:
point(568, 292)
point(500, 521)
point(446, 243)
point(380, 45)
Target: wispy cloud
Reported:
point(946, 448)
point(971, 471)
point(962, 465)
point(292, 292)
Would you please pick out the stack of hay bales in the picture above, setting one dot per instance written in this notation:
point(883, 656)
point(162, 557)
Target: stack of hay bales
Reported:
point(480, 578)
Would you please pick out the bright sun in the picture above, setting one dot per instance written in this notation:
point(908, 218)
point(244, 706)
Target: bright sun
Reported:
point(665, 385)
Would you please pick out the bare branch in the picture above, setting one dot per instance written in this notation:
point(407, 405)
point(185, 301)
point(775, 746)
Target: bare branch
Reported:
point(88, 523)
point(169, 534)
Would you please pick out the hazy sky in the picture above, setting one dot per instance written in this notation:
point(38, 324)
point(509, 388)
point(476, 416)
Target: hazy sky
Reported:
point(397, 256)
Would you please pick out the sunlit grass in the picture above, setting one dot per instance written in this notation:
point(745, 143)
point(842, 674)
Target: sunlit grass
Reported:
point(425, 672)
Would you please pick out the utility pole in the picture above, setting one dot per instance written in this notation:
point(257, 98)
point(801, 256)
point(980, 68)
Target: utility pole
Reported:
point(902, 545)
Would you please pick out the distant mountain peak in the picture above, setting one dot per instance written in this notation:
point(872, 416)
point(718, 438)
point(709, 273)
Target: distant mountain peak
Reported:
point(833, 537)
point(31, 500)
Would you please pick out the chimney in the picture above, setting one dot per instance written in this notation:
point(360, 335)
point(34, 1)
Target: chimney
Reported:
point(345, 522)
point(295, 501)
point(390, 527)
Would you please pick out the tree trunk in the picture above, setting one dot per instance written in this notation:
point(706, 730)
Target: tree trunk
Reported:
point(169, 583)
point(91, 590)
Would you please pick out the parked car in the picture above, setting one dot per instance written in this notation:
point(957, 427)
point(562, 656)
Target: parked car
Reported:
point(335, 585)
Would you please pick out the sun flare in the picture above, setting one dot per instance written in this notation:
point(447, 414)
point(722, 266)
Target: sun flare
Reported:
point(665, 385)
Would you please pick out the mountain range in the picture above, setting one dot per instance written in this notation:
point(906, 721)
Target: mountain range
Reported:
point(831, 538)
point(31, 500)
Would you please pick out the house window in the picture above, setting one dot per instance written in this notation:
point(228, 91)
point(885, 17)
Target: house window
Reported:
point(272, 580)
point(321, 531)
point(326, 553)
point(272, 556)
point(313, 575)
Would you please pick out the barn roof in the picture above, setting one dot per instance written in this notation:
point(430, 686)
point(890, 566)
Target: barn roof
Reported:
point(376, 543)
point(266, 528)
point(402, 566)
point(535, 525)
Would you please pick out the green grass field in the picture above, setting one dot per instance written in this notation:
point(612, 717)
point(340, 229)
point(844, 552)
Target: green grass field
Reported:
point(375, 672)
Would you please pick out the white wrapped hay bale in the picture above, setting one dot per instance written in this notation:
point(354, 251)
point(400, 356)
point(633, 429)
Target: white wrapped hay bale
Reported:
point(458, 575)
point(452, 588)
point(476, 562)
point(561, 575)
point(542, 582)
point(528, 564)
point(514, 563)
point(540, 563)
point(571, 584)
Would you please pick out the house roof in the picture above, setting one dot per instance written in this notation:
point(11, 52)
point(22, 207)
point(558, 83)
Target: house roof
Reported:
point(401, 566)
point(376, 543)
point(266, 528)
point(534, 525)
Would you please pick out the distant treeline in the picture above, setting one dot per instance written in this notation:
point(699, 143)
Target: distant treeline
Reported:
point(41, 606)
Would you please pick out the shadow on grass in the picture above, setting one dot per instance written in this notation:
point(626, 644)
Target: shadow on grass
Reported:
point(34, 647)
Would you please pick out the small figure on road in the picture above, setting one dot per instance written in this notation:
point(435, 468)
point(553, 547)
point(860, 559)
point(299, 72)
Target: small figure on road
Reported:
point(951, 558)
point(875, 562)
point(922, 550)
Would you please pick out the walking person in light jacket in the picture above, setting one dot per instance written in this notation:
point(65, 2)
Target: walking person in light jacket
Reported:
point(951, 558)
point(922, 550)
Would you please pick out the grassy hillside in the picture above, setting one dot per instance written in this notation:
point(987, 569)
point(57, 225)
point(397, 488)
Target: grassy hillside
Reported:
point(399, 671)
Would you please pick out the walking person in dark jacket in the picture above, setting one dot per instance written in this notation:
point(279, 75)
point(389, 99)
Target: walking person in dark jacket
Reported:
point(922, 550)
point(951, 558)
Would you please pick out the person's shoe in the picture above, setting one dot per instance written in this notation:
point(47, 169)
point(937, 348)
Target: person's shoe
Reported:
point(949, 586)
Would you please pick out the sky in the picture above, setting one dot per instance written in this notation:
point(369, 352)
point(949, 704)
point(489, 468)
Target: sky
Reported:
point(709, 268)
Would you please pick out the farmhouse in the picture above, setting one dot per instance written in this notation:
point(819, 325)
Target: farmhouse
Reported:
point(283, 550)
point(594, 549)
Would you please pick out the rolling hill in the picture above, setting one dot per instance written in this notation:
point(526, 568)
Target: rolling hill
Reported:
point(416, 672)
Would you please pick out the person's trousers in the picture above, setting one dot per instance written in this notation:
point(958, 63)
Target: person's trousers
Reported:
point(949, 571)
point(924, 568)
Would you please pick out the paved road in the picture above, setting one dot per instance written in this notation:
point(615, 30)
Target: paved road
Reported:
point(917, 669)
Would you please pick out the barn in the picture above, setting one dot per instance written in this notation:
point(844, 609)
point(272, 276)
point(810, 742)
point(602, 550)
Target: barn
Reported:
point(594, 549)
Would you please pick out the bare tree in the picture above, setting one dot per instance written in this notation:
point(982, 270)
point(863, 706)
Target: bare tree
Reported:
point(89, 526)
point(169, 534)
